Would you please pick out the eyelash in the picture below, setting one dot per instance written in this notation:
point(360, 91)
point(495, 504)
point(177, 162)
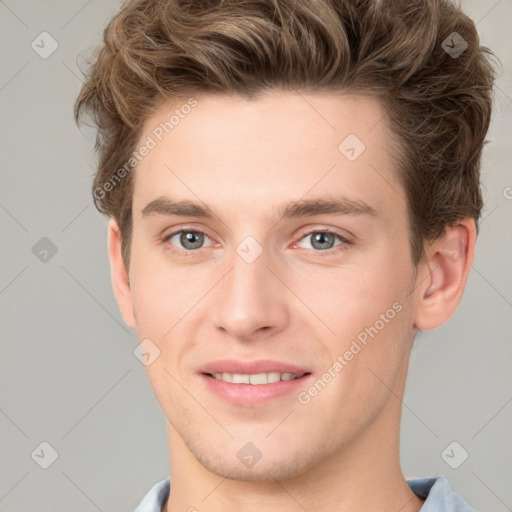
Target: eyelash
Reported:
point(328, 252)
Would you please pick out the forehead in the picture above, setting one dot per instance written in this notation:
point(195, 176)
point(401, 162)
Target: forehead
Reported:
point(229, 150)
point(290, 120)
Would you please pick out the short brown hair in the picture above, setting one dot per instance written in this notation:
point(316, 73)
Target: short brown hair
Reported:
point(438, 103)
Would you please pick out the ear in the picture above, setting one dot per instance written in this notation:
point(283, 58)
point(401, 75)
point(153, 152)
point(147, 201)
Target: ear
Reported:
point(119, 275)
point(443, 276)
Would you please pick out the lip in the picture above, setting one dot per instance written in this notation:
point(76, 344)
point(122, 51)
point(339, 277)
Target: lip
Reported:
point(251, 367)
point(249, 395)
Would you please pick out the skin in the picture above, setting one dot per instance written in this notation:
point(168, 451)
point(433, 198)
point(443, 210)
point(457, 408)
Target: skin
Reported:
point(294, 303)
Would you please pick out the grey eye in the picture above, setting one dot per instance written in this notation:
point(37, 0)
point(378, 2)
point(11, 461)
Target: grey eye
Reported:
point(321, 241)
point(189, 240)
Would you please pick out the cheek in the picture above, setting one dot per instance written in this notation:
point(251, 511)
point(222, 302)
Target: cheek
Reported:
point(354, 296)
point(366, 370)
point(161, 294)
point(369, 313)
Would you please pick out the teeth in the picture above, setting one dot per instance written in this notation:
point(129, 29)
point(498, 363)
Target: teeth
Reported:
point(255, 378)
point(239, 378)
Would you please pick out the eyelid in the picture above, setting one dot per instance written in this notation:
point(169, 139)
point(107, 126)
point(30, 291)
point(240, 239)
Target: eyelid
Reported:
point(345, 241)
point(304, 233)
point(330, 231)
point(170, 234)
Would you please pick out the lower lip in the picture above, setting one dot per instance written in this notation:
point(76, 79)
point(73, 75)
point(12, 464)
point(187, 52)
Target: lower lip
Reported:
point(251, 395)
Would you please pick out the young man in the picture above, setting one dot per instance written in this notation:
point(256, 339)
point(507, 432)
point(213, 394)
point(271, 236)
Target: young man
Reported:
point(293, 192)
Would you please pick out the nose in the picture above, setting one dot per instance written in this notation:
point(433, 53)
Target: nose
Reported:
point(251, 300)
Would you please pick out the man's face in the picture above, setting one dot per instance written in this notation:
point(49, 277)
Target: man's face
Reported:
point(249, 285)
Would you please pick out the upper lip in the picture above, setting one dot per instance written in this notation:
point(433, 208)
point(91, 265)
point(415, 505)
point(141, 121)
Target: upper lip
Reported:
point(251, 367)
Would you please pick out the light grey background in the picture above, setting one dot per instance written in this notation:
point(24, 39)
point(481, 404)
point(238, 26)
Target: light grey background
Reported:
point(68, 375)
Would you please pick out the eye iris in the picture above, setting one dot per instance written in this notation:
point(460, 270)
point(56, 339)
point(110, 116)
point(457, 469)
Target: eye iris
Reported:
point(321, 238)
point(193, 238)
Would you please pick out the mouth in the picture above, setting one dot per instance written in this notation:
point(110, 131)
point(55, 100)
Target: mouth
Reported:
point(253, 383)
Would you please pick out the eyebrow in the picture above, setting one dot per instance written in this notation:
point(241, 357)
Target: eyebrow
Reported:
point(166, 206)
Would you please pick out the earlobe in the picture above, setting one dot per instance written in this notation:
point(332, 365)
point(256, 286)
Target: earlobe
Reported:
point(442, 282)
point(119, 276)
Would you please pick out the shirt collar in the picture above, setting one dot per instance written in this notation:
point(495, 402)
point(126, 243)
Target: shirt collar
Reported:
point(436, 492)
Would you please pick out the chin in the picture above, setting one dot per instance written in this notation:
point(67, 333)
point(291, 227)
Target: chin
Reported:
point(278, 466)
point(262, 471)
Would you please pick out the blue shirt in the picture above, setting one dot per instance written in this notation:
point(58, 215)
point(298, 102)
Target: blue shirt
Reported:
point(437, 491)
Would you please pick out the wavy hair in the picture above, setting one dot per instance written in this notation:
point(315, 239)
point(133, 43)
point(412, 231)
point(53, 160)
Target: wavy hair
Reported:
point(438, 105)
